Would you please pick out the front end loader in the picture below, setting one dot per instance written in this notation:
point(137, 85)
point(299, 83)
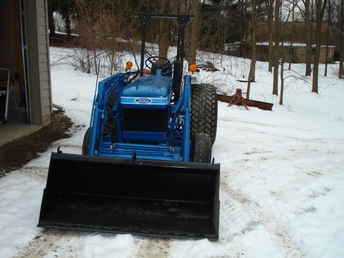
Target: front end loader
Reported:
point(146, 163)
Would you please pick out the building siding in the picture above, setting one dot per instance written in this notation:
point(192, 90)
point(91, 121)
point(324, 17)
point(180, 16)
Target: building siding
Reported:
point(38, 61)
point(43, 45)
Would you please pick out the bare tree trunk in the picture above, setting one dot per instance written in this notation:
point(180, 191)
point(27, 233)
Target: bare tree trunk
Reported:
point(327, 36)
point(252, 75)
point(341, 42)
point(270, 31)
point(51, 21)
point(68, 23)
point(282, 83)
point(320, 7)
point(112, 60)
point(164, 39)
point(248, 90)
point(309, 27)
point(276, 55)
point(291, 52)
point(275, 78)
point(315, 78)
point(96, 61)
point(252, 72)
point(88, 66)
point(242, 27)
point(283, 55)
point(195, 31)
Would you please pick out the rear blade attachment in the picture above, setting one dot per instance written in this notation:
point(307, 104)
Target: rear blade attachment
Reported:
point(144, 197)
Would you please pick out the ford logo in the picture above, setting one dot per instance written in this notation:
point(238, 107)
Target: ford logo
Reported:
point(143, 100)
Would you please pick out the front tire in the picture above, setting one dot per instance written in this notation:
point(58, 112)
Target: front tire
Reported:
point(202, 146)
point(85, 142)
point(204, 110)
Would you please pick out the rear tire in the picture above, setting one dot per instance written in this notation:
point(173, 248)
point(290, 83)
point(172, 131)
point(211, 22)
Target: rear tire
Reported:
point(202, 148)
point(86, 142)
point(204, 110)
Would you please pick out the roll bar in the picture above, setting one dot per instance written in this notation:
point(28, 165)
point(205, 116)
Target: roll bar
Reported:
point(178, 65)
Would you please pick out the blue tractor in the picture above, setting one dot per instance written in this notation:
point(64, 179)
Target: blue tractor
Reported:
point(146, 163)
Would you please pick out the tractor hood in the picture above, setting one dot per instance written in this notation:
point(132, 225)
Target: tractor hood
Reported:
point(152, 90)
point(151, 86)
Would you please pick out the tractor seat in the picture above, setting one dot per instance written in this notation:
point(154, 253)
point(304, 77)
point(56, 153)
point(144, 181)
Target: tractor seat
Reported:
point(151, 86)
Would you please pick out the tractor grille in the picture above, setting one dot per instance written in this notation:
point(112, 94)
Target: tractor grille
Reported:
point(149, 120)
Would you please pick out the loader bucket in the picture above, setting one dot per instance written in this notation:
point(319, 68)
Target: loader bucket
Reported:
point(144, 197)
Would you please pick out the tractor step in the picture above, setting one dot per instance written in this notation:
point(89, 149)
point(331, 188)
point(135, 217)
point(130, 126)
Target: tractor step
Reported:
point(143, 197)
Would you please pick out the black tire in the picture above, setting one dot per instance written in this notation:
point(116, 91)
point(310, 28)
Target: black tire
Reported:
point(202, 148)
point(203, 110)
point(85, 142)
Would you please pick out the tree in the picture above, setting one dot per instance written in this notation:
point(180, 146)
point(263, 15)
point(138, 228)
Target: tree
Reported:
point(52, 7)
point(282, 83)
point(212, 25)
point(320, 9)
point(195, 32)
point(192, 41)
point(242, 25)
point(67, 9)
point(252, 73)
point(276, 49)
point(329, 13)
point(292, 37)
point(309, 27)
point(270, 9)
point(164, 35)
point(341, 41)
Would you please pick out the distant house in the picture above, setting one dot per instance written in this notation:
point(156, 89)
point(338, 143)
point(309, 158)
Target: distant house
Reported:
point(24, 49)
point(294, 47)
point(295, 52)
point(292, 32)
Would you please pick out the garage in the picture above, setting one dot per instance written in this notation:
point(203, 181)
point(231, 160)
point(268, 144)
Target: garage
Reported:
point(25, 92)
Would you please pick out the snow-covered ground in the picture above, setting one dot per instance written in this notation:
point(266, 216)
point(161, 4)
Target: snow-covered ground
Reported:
point(282, 180)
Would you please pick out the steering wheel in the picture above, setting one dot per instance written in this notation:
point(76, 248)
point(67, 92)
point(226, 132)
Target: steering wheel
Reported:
point(154, 59)
point(165, 66)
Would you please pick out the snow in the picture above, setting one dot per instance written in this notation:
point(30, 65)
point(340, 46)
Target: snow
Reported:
point(19, 206)
point(121, 246)
point(282, 186)
point(288, 44)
